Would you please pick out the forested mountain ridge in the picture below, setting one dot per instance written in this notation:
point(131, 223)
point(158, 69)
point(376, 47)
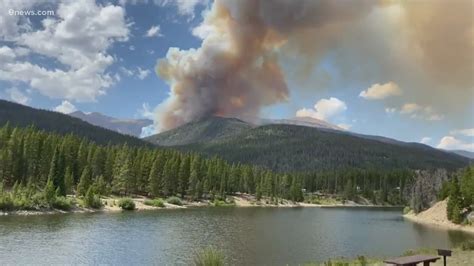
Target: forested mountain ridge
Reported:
point(24, 116)
point(208, 129)
point(131, 127)
point(289, 148)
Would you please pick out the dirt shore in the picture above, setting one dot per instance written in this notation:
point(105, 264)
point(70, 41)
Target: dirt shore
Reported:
point(110, 204)
point(436, 216)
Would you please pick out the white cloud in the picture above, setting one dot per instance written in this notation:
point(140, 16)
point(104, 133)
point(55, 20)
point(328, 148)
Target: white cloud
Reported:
point(185, 7)
point(390, 110)
point(154, 31)
point(65, 107)
point(6, 54)
point(131, 48)
point(142, 73)
point(452, 143)
point(417, 111)
point(324, 109)
point(126, 71)
point(139, 72)
point(146, 111)
point(466, 132)
point(425, 140)
point(381, 91)
point(18, 96)
point(344, 126)
point(9, 25)
point(148, 131)
point(77, 37)
point(410, 108)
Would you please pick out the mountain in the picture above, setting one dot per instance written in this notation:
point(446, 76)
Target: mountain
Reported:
point(298, 121)
point(131, 127)
point(205, 130)
point(23, 116)
point(467, 154)
point(298, 148)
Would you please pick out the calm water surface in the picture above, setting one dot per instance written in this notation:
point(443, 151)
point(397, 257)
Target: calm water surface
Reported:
point(247, 236)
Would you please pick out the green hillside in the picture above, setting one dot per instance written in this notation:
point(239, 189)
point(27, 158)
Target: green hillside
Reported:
point(297, 148)
point(24, 116)
point(204, 130)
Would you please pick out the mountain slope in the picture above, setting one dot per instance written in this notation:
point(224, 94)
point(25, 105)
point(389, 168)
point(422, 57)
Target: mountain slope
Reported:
point(131, 127)
point(204, 130)
point(298, 148)
point(23, 116)
point(467, 154)
point(297, 121)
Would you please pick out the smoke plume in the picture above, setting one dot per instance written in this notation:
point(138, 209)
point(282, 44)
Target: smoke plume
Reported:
point(237, 70)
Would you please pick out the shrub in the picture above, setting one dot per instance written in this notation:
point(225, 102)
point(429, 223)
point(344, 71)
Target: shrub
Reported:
point(467, 245)
point(174, 201)
point(63, 203)
point(155, 202)
point(362, 260)
point(406, 210)
point(126, 204)
point(209, 257)
point(6, 202)
point(222, 203)
point(92, 200)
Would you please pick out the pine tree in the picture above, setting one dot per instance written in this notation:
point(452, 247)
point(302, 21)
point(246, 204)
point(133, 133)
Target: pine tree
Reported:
point(69, 181)
point(183, 175)
point(296, 190)
point(194, 177)
point(56, 172)
point(349, 193)
point(84, 182)
point(454, 202)
point(100, 186)
point(50, 192)
point(467, 186)
point(155, 179)
point(121, 182)
point(168, 178)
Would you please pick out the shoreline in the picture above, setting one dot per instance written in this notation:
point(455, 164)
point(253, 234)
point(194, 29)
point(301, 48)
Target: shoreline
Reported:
point(240, 201)
point(436, 217)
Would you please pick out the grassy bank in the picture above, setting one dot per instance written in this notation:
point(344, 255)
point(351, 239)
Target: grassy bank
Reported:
point(462, 255)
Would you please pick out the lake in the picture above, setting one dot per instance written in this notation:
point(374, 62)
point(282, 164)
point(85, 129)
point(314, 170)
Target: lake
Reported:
point(247, 236)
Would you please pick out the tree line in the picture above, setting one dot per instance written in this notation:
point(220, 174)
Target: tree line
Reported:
point(38, 162)
point(460, 194)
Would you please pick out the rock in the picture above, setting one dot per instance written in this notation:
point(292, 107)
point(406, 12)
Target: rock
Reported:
point(470, 217)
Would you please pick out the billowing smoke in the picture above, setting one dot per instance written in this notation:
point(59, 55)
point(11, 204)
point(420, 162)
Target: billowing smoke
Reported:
point(237, 70)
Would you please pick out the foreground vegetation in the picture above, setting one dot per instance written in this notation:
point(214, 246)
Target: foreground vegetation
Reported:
point(38, 169)
point(209, 257)
point(462, 255)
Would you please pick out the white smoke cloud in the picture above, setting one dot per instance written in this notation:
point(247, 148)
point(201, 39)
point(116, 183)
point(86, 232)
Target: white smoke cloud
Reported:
point(425, 140)
point(452, 143)
point(381, 91)
point(236, 71)
point(18, 96)
point(466, 132)
point(65, 107)
point(154, 31)
point(324, 109)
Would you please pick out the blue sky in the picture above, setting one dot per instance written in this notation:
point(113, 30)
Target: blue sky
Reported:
point(109, 67)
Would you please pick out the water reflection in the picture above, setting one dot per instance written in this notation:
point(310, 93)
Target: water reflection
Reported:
point(249, 236)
